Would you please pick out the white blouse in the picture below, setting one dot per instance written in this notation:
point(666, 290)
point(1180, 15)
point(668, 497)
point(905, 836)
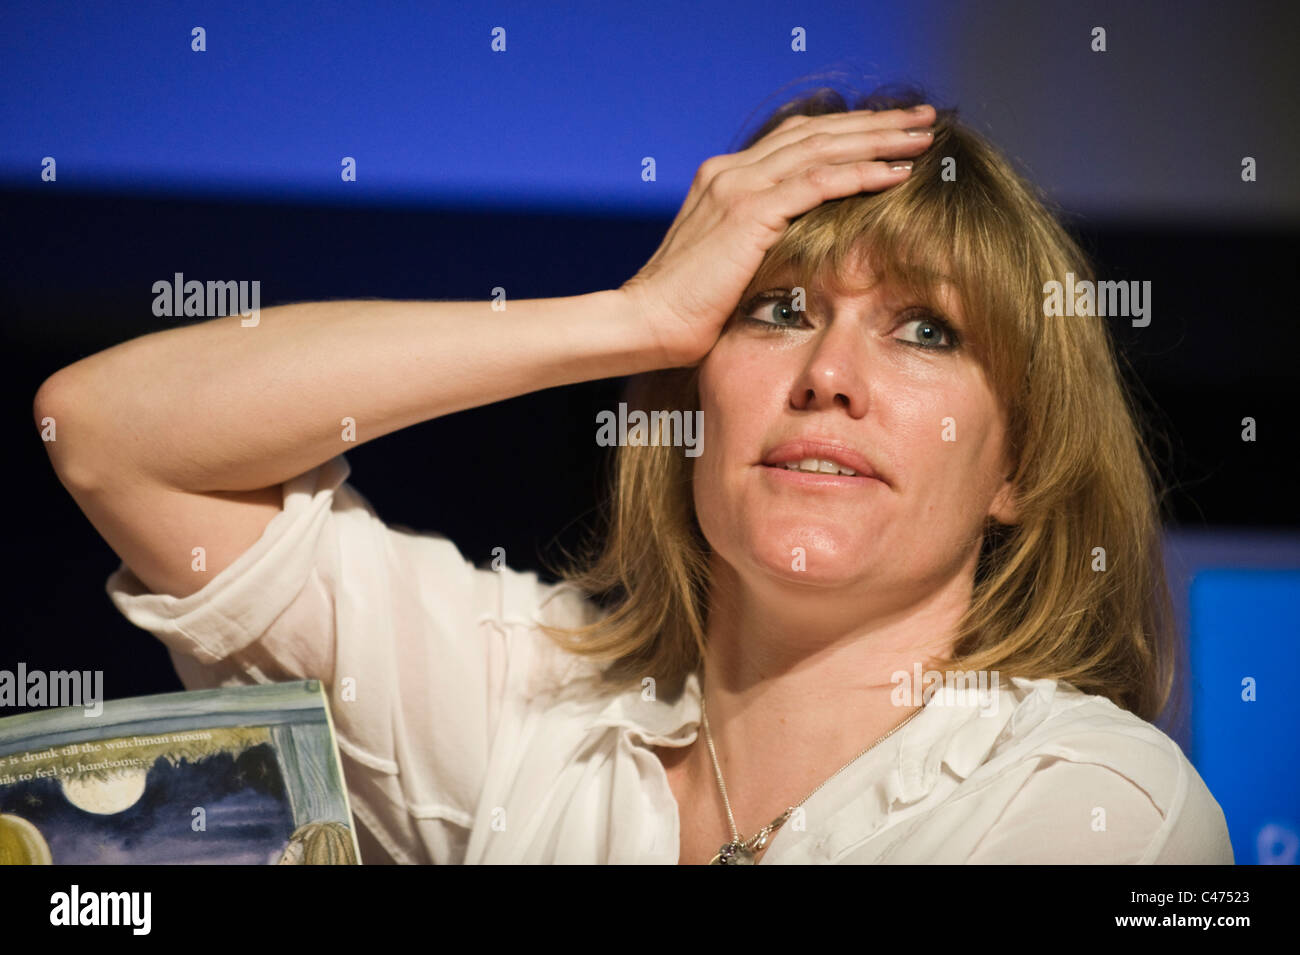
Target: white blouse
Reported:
point(468, 736)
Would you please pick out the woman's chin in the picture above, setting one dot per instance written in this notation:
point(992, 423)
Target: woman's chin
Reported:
point(811, 566)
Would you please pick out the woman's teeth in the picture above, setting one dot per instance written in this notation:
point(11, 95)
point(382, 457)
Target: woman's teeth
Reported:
point(820, 466)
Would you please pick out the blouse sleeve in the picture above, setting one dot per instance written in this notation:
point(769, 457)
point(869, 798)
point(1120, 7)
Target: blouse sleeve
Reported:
point(415, 647)
point(1074, 814)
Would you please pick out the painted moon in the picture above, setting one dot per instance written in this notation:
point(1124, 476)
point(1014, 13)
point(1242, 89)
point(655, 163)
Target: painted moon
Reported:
point(118, 791)
point(21, 843)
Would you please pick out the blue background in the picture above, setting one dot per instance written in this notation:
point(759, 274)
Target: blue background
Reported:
point(1154, 126)
point(1243, 627)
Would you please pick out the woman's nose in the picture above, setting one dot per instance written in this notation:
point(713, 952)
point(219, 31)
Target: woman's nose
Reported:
point(834, 376)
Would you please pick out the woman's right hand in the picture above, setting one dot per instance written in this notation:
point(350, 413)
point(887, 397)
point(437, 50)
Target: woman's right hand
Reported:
point(740, 203)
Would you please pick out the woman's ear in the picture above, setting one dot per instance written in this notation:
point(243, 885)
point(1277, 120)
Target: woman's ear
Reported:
point(1004, 509)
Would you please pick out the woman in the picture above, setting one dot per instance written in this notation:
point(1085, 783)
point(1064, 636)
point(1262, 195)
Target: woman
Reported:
point(906, 470)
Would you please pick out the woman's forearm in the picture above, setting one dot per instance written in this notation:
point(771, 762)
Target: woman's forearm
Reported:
point(218, 406)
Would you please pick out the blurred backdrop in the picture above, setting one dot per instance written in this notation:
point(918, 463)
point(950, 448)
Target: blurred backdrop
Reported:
point(523, 167)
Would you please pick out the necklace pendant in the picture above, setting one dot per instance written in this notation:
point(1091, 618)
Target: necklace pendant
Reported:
point(733, 853)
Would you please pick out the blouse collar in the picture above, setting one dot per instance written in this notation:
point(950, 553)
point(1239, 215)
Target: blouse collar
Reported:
point(661, 722)
point(957, 734)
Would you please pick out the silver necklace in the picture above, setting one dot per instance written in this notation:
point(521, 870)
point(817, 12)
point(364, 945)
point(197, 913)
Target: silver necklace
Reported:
point(744, 851)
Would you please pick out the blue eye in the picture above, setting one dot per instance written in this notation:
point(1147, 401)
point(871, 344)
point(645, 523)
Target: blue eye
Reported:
point(777, 308)
point(931, 333)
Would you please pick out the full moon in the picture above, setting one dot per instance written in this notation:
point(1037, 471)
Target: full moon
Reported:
point(119, 791)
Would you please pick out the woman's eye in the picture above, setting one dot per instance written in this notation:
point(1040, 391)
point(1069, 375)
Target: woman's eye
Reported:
point(929, 332)
point(772, 308)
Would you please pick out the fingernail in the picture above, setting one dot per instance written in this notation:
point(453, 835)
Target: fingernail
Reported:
point(900, 166)
point(920, 131)
point(917, 109)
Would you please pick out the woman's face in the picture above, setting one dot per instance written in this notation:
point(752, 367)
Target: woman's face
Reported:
point(862, 379)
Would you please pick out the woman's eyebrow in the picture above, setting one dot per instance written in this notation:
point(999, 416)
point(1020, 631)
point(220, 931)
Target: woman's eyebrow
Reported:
point(785, 278)
point(933, 290)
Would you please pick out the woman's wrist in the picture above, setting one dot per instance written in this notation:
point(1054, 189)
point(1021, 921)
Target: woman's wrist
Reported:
point(607, 334)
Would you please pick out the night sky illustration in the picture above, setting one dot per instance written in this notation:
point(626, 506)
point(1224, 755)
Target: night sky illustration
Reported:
point(248, 815)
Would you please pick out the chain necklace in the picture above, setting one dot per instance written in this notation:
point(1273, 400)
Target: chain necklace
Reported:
point(744, 851)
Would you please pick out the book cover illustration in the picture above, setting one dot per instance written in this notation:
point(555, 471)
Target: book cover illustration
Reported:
point(237, 775)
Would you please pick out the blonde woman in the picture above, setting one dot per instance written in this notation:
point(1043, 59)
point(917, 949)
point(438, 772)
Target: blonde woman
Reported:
point(905, 473)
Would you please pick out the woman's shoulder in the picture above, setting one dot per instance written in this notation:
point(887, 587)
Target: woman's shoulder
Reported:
point(537, 615)
point(1052, 720)
point(1050, 713)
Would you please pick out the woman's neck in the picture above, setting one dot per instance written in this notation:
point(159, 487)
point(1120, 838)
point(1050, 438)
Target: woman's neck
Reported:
point(797, 684)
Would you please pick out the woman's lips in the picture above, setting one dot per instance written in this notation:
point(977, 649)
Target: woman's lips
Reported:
point(816, 479)
point(816, 449)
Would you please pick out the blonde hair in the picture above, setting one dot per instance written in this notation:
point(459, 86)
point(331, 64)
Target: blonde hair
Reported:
point(323, 843)
point(1084, 476)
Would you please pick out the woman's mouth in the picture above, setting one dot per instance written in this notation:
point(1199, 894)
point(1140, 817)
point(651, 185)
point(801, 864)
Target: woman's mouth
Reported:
point(818, 473)
point(817, 466)
point(813, 462)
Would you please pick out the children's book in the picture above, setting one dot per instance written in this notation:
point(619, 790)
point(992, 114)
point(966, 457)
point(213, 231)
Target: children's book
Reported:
point(238, 775)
